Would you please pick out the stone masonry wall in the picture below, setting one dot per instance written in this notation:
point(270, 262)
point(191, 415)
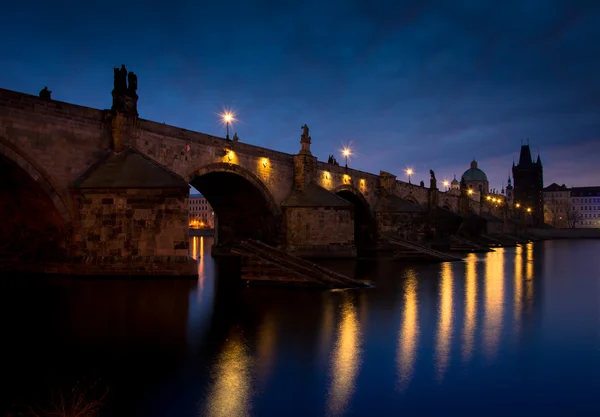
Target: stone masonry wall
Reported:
point(142, 222)
point(166, 145)
point(60, 139)
point(320, 231)
point(412, 192)
point(332, 177)
point(408, 226)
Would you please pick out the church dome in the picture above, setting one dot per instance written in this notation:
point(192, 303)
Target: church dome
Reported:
point(474, 173)
point(455, 181)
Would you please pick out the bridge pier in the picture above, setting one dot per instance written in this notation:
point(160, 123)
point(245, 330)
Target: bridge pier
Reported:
point(316, 222)
point(132, 220)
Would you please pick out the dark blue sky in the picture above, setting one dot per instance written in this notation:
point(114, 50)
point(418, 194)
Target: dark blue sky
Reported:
point(425, 84)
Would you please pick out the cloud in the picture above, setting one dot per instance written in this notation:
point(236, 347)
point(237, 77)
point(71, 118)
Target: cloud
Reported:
point(429, 84)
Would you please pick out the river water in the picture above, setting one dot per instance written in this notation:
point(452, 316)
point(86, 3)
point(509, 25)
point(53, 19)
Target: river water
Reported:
point(513, 332)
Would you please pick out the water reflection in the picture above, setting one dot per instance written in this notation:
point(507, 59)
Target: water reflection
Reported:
point(444, 332)
point(518, 290)
point(231, 392)
point(494, 301)
point(345, 360)
point(201, 299)
point(297, 352)
point(529, 276)
point(470, 306)
point(409, 332)
point(327, 325)
point(266, 348)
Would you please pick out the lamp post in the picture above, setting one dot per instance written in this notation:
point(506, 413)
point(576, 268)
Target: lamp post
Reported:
point(447, 184)
point(409, 172)
point(228, 117)
point(346, 152)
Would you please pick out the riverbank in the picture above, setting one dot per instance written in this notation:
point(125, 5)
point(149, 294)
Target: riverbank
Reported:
point(548, 234)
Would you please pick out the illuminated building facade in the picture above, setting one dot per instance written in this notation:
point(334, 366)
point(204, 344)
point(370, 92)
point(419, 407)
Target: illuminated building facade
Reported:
point(201, 213)
point(558, 209)
point(585, 207)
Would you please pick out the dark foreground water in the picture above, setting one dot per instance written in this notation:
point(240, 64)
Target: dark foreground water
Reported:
point(515, 332)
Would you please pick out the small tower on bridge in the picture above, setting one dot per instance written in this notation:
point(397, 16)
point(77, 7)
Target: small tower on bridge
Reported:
point(124, 93)
point(124, 108)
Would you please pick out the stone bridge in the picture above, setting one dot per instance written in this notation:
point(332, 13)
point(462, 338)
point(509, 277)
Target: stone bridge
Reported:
point(84, 183)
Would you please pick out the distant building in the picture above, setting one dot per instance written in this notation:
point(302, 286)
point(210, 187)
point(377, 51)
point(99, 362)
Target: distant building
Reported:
point(558, 208)
point(476, 180)
point(585, 207)
point(528, 187)
point(510, 193)
point(201, 213)
point(454, 187)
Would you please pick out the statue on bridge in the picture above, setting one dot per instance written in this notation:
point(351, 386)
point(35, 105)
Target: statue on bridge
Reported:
point(132, 78)
point(236, 138)
point(45, 93)
point(124, 98)
point(120, 80)
point(432, 181)
point(305, 141)
point(332, 161)
point(305, 137)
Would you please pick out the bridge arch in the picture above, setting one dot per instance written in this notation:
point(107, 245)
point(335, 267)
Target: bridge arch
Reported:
point(36, 218)
point(364, 221)
point(446, 205)
point(243, 205)
point(411, 198)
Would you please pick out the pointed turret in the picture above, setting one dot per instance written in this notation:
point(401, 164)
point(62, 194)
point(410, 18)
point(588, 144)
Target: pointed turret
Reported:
point(525, 156)
point(539, 160)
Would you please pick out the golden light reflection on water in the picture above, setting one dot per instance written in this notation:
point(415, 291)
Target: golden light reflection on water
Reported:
point(265, 349)
point(409, 331)
point(518, 291)
point(326, 327)
point(195, 247)
point(230, 394)
point(444, 332)
point(470, 306)
point(201, 261)
point(494, 301)
point(345, 360)
point(529, 265)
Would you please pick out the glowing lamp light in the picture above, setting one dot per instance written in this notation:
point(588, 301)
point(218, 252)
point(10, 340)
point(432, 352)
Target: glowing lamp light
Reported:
point(488, 197)
point(446, 183)
point(346, 152)
point(327, 175)
point(362, 182)
point(228, 118)
point(518, 205)
point(409, 171)
point(470, 191)
point(230, 155)
point(528, 209)
point(265, 161)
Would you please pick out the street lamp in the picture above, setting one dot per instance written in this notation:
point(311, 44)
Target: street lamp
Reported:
point(346, 152)
point(228, 118)
point(409, 172)
point(447, 184)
